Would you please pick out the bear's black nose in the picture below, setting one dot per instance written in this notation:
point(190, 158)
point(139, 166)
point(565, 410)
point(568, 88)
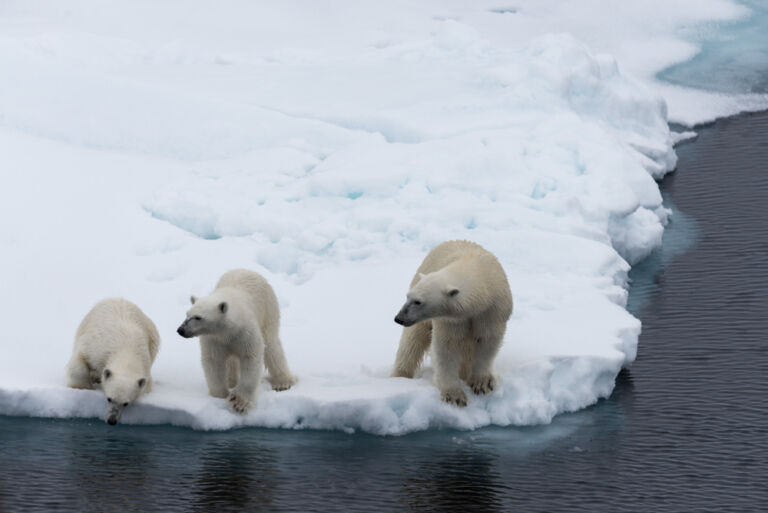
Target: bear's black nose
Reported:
point(399, 321)
point(112, 421)
point(180, 331)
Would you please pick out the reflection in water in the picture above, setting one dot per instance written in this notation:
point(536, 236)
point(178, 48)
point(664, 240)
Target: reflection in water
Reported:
point(466, 479)
point(101, 469)
point(234, 475)
point(88, 466)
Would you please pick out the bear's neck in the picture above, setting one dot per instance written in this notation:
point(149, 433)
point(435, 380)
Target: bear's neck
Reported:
point(468, 276)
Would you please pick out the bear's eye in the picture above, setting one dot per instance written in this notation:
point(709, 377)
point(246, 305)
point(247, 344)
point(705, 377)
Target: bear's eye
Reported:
point(109, 399)
point(125, 404)
point(417, 302)
point(197, 318)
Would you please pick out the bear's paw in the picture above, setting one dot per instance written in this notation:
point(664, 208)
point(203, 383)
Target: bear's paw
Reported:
point(238, 403)
point(455, 396)
point(279, 386)
point(482, 385)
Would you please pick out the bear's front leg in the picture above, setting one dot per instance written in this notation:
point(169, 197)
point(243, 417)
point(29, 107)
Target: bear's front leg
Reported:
point(447, 352)
point(414, 343)
point(95, 378)
point(214, 360)
point(78, 373)
point(488, 341)
point(241, 397)
point(148, 386)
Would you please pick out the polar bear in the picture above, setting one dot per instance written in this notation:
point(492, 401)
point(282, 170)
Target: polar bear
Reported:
point(459, 304)
point(238, 328)
point(115, 346)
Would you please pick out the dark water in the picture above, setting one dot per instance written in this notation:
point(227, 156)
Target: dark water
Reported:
point(685, 430)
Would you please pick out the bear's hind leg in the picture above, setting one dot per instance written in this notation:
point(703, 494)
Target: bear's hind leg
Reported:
point(414, 343)
point(78, 373)
point(280, 376)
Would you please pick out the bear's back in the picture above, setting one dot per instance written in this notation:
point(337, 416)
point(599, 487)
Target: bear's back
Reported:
point(446, 253)
point(113, 322)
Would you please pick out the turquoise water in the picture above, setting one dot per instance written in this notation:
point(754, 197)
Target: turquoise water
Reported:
point(733, 57)
point(679, 236)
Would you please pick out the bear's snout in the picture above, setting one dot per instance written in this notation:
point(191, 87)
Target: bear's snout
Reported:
point(183, 331)
point(403, 319)
point(112, 420)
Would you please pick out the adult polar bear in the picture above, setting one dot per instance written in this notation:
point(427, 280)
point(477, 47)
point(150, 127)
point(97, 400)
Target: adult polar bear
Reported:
point(459, 302)
point(238, 327)
point(115, 346)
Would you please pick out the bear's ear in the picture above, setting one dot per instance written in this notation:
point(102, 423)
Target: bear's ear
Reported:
point(192, 299)
point(223, 307)
point(452, 291)
point(107, 373)
point(142, 382)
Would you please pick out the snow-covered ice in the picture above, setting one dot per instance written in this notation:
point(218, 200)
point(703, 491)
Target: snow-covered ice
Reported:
point(146, 148)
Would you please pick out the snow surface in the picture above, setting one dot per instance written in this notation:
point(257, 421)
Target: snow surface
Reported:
point(148, 147)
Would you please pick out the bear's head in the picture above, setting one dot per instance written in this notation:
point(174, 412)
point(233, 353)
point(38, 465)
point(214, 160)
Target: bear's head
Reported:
point(121, 390)
point(431, 296)
point(208, 315)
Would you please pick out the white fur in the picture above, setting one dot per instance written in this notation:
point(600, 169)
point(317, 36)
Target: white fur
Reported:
point(115, 346)
point(459, 304)
point(238, 325)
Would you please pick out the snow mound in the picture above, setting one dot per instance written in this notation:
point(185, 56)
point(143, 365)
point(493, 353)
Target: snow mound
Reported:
point(148, 150)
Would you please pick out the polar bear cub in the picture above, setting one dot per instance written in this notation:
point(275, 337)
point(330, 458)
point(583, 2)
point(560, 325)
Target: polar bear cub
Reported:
point(459, 304)
point(115, 346)
point(238, 328)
